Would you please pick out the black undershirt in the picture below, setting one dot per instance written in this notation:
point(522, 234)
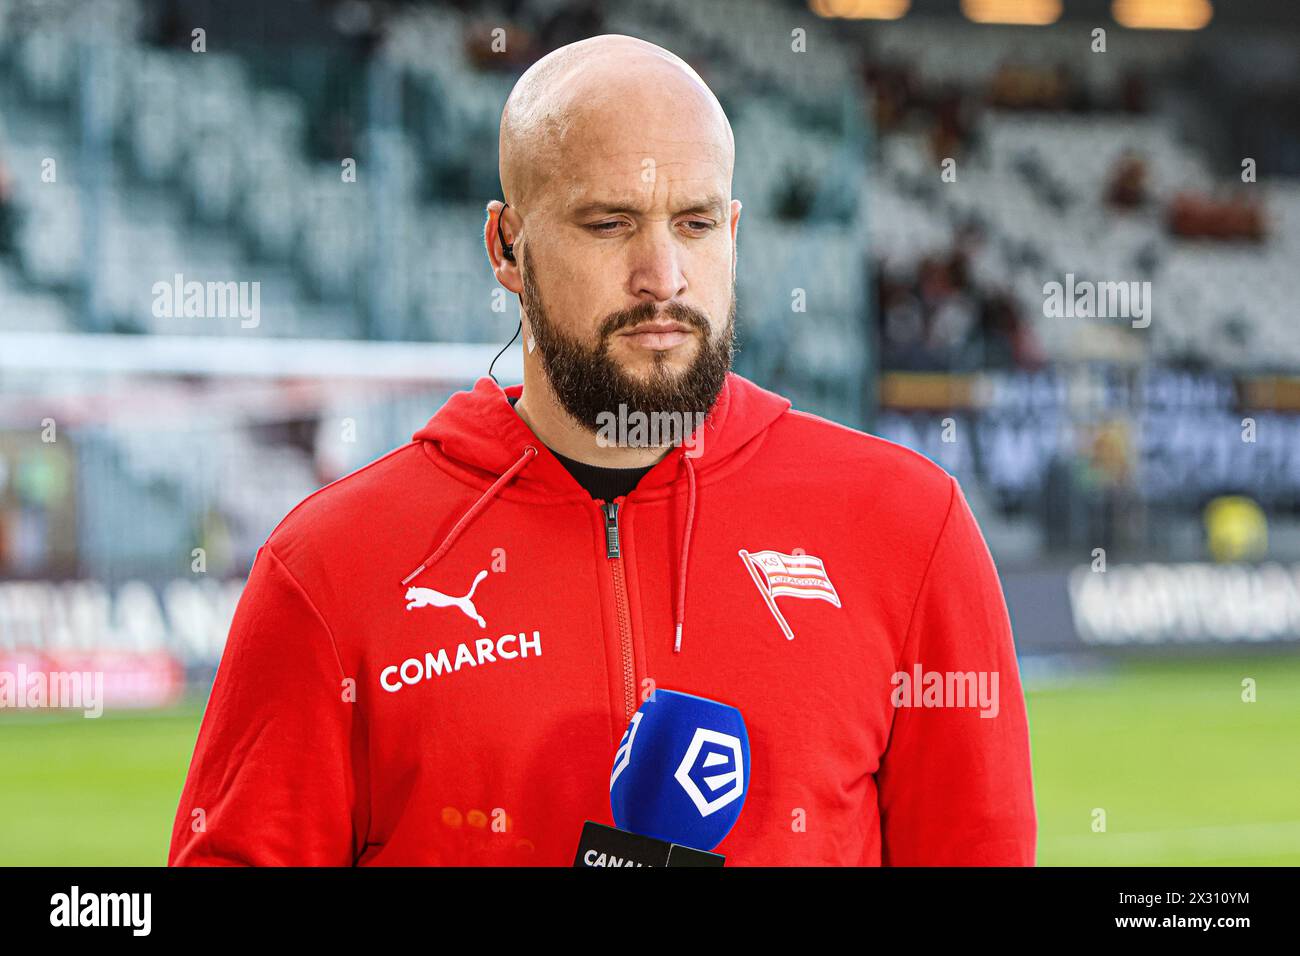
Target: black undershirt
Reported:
point(604, 484)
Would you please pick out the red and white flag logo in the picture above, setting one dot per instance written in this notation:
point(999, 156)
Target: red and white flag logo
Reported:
point(788, 575)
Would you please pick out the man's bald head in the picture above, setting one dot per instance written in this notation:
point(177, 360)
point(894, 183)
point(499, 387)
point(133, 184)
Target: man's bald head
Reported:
point(578, 98)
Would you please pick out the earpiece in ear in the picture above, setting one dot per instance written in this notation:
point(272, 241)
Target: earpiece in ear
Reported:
point(507, 248)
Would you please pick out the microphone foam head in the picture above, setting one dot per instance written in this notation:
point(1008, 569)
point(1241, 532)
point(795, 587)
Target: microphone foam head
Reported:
point(681, 771)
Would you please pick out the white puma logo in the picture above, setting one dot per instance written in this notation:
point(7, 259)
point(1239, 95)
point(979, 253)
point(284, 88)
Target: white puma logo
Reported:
point(427, 597)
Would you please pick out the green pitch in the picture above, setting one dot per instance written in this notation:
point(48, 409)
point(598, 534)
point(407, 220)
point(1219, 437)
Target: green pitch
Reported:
point(1185, 772)
point(92, 792)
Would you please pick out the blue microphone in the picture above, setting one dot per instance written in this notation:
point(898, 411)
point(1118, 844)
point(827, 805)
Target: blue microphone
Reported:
point(678, 784)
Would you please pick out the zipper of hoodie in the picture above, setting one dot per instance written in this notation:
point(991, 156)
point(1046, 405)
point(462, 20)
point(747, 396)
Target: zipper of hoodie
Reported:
point(614, 553)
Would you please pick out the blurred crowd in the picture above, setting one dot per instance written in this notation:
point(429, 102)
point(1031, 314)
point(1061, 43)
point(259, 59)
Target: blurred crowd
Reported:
point(1188, 215)
point(934, 316)
point(8, 206)
point(949, 112)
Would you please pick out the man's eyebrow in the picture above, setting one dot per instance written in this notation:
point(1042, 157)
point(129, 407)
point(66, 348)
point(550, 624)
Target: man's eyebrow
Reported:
point(714, 205)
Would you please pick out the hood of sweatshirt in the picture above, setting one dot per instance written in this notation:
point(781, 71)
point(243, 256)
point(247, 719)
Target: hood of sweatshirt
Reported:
point(479, 432)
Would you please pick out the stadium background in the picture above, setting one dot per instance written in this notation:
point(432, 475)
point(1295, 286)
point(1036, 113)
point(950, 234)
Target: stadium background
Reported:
point(913, 174)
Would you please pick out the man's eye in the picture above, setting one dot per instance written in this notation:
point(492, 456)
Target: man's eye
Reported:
point(692, 225)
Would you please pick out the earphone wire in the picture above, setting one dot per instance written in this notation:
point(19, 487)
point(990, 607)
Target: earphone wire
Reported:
point(503, 351)
point(507, 250)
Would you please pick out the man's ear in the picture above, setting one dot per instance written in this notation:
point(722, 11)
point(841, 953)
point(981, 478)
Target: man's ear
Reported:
point(506, 271)
point(735, 225)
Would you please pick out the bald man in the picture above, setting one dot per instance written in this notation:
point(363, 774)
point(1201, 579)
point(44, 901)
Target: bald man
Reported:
point(436, 658)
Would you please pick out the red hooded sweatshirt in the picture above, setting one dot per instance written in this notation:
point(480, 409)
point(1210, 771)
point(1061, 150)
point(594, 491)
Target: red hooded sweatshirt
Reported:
point(435, 657)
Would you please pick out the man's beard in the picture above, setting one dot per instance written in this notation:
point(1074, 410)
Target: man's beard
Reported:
point(589, 383)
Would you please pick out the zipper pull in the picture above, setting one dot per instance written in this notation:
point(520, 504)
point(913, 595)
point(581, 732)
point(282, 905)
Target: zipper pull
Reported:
point(611, 530)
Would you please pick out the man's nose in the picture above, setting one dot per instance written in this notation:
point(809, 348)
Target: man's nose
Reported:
point(656, 266)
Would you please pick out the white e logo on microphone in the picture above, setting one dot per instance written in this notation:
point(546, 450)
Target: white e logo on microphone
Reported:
point(714, 760)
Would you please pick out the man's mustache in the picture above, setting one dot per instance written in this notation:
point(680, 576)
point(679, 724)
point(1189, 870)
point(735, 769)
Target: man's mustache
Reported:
point(649, 312)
